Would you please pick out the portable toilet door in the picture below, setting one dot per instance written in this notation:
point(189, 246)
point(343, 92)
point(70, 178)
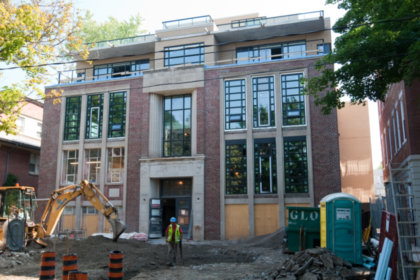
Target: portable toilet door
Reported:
point(343, 226)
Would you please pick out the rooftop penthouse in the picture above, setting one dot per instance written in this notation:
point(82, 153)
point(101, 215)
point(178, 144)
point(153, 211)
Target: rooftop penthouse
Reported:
point(209, 42)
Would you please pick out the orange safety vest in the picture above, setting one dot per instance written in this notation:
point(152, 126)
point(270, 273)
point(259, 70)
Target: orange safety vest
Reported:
point(177, 234)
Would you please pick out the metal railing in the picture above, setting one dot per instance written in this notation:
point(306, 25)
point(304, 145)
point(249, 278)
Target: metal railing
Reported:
point(274, 20)
point(88, 74)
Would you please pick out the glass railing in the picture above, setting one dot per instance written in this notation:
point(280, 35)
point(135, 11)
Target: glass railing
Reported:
point(271, 21)
point(123, 41)
point(186, 22)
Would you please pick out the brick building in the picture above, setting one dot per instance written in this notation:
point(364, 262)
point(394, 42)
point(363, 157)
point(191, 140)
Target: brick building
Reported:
point(19, 154)
point(204, 120)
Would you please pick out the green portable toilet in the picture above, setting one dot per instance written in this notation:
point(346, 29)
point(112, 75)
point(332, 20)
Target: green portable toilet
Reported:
point(303, 228)
point(341, 226)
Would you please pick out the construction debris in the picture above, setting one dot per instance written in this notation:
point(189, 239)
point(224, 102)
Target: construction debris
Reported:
point(314, 264)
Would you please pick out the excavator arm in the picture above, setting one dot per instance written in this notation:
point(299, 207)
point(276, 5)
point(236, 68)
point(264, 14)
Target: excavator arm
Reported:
point(61, 197)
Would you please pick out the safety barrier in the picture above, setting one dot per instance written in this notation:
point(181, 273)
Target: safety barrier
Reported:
point(78, 275)
point(115, 271)
point(47, 266)
point(69, 264)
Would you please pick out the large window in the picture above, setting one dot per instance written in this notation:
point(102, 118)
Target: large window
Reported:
point(185, 54)
point(92, 168)
point(115, 171)
point(72, 118)
point(117, 114)
point(295, 165)
point(70, 166)
point(263, 101)
point(177, 126)
point(293, 99)
point(34, 164)
point(271, 52)
point(94, 116)
point(121, 69)
point(236, 176)
point(235, 104)
point(265, 166)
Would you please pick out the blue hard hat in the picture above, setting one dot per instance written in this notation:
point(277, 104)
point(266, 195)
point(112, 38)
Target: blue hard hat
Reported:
point(173, 220)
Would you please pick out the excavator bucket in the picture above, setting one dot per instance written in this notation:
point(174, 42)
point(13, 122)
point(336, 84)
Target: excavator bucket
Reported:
point(118, 227)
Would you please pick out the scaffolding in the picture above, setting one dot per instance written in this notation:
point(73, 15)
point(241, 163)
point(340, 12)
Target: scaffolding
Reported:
point(403, 199)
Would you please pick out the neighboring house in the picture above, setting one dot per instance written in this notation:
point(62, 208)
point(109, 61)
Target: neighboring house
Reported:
point(357, 176)
point(19, 154)
point(399, 117)
point(204, 120)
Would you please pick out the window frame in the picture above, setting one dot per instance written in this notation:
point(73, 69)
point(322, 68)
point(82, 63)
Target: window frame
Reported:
point(183, 56)
point(131, 68)
point(67, 162)
point(289, 174)
point(110, 162)
point(263, 53)
point(241, 116)
point(72, 126)
point(170, 138)
point(34, 161)
point(92, 162)
point(116, 111)
point(258, 155)
point(89, 108)
point(241, 167)
point(301, 101)
point(271, 102)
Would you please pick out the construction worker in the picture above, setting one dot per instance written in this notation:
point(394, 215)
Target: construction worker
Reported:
point(173, 236)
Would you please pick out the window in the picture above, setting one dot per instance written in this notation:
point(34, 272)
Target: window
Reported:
point(71, 162)
point(295, 165)
point(72, 118)
point(121, 69)
point(394, 129)
point(20, 123)
point(236, 177)
point(117, 114)
point(39, 129)
point(89, 210)
point(185, 54)
point(398, 125)
point(258, 21)
point(390, 142)
point(92, 168)
point(115, 171)
point(34, 164)
point(263, 101)
point(270, 52)
point(94, 116)
point(324, 48)
point(293, 99)
point(177, 126)
point(403, 121)
point(265, 166)
point(235, 104)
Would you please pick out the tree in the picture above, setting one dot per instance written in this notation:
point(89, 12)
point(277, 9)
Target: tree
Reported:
point(379, 45)
point(33, 34)
point(92, 31)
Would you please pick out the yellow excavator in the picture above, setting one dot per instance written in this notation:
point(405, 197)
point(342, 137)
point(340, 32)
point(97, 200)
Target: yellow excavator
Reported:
point(17, 207)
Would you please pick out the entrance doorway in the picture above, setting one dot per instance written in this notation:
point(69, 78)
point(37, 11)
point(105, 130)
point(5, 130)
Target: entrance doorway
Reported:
point(175, 196)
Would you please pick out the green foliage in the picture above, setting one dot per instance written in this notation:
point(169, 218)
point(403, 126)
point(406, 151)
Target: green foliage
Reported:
point(11, 180)
point(33, 33)
point(93, 31)
point(379, 45)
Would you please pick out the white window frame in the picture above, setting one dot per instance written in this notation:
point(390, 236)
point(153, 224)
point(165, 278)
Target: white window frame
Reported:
point(92, 162)
point(34, 160)
point(70, 178)
point(403, 121)
point(120, 171)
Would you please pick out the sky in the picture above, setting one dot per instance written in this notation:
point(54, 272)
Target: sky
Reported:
point(154, 12)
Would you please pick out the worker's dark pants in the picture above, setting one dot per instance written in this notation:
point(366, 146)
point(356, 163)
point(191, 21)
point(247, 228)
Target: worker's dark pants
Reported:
point(172, 248)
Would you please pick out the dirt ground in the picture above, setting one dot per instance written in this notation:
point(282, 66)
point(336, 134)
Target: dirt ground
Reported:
point(252, 258)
